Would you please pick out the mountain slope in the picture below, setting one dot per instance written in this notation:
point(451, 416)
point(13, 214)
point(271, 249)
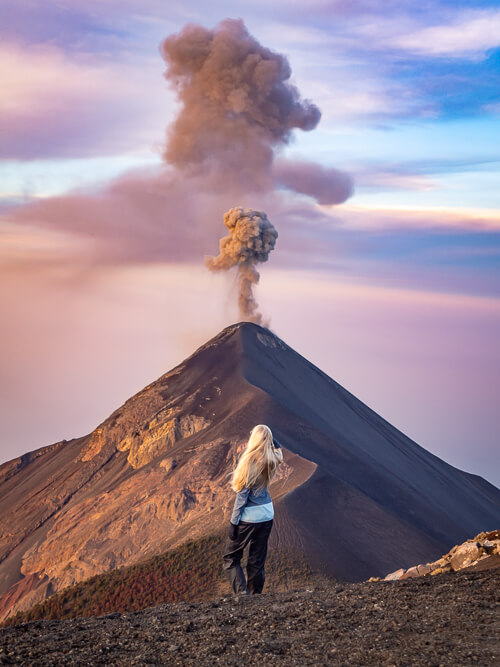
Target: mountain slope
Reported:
point(155, 474)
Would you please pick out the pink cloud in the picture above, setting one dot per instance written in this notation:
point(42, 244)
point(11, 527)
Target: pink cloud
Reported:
point(400, 218)
point(147, 215)
point(156, 215)
point(386, 178)
point(53, 104)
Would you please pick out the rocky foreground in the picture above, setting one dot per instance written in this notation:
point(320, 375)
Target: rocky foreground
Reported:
point(449, 619)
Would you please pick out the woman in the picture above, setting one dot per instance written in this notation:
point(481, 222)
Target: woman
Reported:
point(253, 512)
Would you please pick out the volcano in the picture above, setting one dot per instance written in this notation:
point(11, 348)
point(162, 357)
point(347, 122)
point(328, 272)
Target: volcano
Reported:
point(355, 497)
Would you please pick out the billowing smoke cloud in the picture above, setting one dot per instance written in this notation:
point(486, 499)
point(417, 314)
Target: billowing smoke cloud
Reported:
point(237, 110)
point(237, 107)
point(251, 238)
point(237, 103)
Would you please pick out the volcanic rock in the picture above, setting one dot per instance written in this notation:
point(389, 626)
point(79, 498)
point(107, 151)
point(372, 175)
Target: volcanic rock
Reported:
point(465, 555)
point(462, 556)
point(394, 576)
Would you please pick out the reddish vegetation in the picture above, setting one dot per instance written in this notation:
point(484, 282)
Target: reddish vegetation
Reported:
point(190, 572)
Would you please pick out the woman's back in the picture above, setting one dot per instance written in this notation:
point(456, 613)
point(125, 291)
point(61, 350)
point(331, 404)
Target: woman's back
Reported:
point(252, 504)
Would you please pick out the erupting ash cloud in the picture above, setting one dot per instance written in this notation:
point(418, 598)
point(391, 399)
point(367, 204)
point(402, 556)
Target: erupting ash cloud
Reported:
point(237, 110)
point(237, 107)
point(251, 238)
point(237, 103)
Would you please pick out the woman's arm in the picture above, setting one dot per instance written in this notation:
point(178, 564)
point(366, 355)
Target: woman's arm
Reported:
point(239, 504)
point(278, 451)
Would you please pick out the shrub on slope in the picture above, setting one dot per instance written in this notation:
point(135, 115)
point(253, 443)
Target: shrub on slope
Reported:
point(190, 572)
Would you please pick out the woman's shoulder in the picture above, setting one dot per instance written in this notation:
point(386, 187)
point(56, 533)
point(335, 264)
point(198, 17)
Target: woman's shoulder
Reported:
point(259, 491)
point(255, 489)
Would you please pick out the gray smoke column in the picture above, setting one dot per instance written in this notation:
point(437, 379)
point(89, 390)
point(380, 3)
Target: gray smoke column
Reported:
point(251, 238)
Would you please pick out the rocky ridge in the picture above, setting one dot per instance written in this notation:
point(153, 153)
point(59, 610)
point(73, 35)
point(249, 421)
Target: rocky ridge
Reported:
point(481, 552)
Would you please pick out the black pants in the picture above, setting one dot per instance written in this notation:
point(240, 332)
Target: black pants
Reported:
point(255, 536)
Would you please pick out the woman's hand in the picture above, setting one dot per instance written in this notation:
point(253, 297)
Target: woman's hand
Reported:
point(233, 531)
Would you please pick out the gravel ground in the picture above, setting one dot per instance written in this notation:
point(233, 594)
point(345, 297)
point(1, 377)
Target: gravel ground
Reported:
point(449, 619)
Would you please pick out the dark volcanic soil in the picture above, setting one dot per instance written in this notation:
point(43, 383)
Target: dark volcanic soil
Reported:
point(450, 619)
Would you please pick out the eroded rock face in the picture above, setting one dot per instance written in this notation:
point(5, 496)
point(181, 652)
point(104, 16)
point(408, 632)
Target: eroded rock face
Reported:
point(137, 518)
point(130, 489)
point(149, 422)
point(97, 442)
point(159, 438)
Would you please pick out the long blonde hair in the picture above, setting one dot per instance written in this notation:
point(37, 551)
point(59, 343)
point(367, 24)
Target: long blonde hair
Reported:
point(258, 463)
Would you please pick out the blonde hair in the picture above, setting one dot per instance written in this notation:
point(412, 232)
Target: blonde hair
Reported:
point(257, 465)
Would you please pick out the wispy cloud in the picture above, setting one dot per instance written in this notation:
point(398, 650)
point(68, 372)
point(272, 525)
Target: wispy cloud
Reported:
point(469, 34)
point(494, 107)
point(135, 220)
point(398, 218)
point(385, 179)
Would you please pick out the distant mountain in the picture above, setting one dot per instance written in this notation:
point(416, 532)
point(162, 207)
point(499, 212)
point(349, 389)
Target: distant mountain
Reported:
point(355, 497)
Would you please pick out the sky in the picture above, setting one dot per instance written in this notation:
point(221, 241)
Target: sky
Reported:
point(390, 284)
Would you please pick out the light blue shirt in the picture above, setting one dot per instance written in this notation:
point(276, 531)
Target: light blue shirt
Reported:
point(252, 505)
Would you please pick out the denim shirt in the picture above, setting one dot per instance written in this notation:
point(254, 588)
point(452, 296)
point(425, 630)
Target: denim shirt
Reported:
point(252, 505)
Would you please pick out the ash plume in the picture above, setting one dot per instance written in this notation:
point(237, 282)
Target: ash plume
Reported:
point(251, 238)
point(237, 103)
point(237, 110)
point(325, 184)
